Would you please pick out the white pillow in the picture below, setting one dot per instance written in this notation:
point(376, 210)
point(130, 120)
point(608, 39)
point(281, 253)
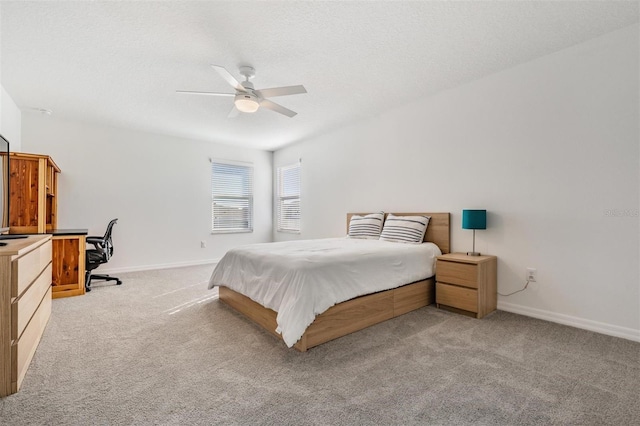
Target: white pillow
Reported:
point(405, 229)
point(367, 227)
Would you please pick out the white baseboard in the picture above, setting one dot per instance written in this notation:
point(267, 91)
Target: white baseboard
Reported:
point(598, 327)
point(158, 266)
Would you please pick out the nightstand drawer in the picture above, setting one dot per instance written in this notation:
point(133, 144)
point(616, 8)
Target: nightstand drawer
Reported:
point(457, 297)
point(465, 274)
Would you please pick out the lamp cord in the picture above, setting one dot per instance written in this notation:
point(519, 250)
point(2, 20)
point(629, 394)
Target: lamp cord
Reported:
point(517, 291)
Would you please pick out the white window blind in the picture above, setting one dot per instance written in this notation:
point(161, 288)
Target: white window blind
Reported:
point(231, 197)
point(288, 209)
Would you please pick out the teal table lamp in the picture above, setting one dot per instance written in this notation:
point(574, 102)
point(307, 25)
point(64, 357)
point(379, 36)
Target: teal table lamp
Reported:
point(474, 219)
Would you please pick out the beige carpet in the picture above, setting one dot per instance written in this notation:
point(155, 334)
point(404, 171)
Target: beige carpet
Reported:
point(160, 349)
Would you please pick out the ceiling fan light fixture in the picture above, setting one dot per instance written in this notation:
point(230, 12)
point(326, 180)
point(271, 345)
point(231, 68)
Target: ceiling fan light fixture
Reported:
point(246, 103)
point(246, 98)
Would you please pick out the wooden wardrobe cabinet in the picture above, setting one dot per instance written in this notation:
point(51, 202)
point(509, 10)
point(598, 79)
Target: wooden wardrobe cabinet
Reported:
point(33, 188)
point(34, 210)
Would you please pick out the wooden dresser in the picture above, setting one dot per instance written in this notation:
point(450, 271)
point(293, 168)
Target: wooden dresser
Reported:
point(25, 305)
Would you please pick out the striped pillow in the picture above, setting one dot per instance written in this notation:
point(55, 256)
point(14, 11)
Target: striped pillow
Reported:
point(368, 226)
point(405, 229)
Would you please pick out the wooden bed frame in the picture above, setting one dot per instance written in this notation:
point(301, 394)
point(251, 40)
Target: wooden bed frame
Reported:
point(361, 312)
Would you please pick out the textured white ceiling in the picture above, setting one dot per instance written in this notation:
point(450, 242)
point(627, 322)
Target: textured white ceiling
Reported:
point(120, 63)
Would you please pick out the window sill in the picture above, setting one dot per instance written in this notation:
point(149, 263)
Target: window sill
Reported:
point(231, 231)
point(288, 231)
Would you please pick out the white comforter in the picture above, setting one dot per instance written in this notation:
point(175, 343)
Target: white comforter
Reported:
point(301, 279)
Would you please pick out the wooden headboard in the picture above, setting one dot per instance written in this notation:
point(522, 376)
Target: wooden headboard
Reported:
point(438, 231)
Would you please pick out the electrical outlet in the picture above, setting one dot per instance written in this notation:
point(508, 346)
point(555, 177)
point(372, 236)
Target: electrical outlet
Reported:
point(203, 244)
point(532, 274)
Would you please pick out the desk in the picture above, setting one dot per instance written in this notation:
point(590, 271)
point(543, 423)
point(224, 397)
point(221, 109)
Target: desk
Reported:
point(68, 267)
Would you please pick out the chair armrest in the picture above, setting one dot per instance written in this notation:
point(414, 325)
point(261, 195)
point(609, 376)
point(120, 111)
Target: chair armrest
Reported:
point(95, 240)
point(98, 243)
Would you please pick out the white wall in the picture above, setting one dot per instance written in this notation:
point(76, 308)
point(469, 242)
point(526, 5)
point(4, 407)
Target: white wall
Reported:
point(1, 88)
point(10, 120)
point(159, 187)
point(550, 148)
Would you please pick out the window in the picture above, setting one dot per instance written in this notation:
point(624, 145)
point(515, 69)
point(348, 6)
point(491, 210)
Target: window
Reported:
point(288, 193)
point(231, 197)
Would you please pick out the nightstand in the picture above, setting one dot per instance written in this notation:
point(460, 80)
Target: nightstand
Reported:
point(467, 283)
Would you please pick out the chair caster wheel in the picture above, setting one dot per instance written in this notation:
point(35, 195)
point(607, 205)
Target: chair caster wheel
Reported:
point(87, 290)
point(118, 282)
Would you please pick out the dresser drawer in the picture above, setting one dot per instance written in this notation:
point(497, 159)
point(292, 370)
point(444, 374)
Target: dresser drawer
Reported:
point(22, 309)
point(457, 297)
point(465, 274)
point(27, 268)
point(22, 351)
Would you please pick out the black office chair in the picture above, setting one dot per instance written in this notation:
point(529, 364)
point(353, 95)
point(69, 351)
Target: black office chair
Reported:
point(101, 253)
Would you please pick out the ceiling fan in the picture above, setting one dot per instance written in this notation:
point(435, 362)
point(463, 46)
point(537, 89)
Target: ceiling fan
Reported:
point(246, 98)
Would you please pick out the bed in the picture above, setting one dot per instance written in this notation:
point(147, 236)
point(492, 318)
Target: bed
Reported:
point(356, 313)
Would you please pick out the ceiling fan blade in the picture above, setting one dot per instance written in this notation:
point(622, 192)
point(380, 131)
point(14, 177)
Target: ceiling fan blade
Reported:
point(281, 91)
point(233, 113)
point(277, 108)
point(188, 92)
point(229, 78)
